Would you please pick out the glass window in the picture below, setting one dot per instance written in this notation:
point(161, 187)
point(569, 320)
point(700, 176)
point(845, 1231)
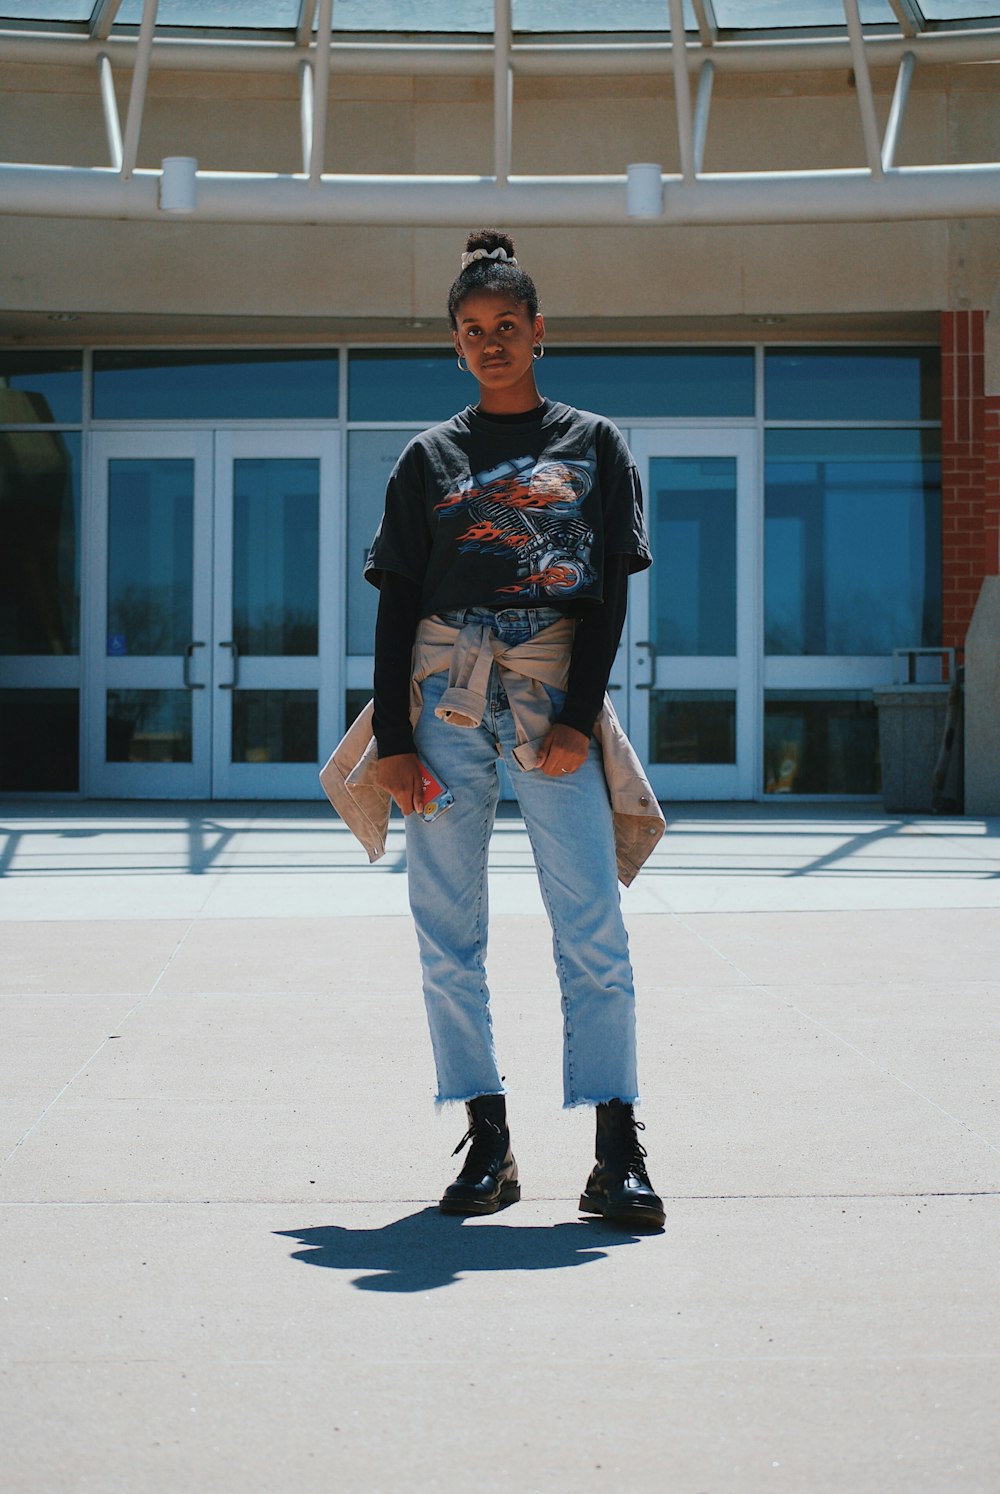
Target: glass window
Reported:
point(407, 384)
point(693, 726)
point(371, 456)
point(276, 556)
point(959, 10)
point(820, 742)
point(46, 10)
point(764, 14)
point(275, 726)
point(263, 385)
point(150, 556)
point(898, 383)
point(852, 541)
point(693, 504)
point(354, 703)
point(251, 14)
point(40, 741)
point(672, 382)
point(42, 388)
point(148, 726)
point(39, 542)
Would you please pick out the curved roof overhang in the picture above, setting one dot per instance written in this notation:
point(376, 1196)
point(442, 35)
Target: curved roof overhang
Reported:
point(880, 191)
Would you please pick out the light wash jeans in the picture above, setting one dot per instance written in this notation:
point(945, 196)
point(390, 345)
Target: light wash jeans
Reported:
point(568, 819)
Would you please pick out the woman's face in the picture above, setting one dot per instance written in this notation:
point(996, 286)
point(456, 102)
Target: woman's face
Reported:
point(495, 336)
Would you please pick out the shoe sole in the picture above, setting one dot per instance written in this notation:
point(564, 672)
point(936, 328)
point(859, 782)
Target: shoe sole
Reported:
point(509, 1195)
point(637, 1216)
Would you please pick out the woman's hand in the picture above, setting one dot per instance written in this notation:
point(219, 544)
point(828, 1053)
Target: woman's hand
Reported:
point(400, 776)
point(563, 751)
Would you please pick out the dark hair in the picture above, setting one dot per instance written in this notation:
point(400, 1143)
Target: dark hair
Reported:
point(492, 274)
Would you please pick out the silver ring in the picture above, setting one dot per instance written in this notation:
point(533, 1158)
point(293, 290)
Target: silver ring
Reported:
point(564, 770)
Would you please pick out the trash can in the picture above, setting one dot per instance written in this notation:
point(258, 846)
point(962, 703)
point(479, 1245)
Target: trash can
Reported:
point(912, 719)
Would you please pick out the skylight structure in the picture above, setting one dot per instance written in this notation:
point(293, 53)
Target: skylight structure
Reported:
point(691, 40)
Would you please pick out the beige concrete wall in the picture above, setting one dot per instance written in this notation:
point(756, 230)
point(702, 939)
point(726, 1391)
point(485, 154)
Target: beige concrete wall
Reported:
point(564, 125)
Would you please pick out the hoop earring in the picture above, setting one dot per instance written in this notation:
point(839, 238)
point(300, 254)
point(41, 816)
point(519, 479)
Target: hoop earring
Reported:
point(463, 366)
point(538, 351)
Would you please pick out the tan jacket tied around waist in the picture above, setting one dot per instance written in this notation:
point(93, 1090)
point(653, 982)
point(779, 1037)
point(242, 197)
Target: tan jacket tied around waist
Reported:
point(468, 653)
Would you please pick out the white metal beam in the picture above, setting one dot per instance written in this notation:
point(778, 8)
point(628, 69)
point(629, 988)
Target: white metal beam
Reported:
point(701, 111)
point(863, 84)
point(894, 124)
point(304, 25)
point(909, 18)
point(682, 89)
point(475, 59)
point(503, 89)
point(137, 94)
point(306, 112)
point(321, 90)
point(112, 119)
point(708, 26)
point(910, 192)
point(102, 18)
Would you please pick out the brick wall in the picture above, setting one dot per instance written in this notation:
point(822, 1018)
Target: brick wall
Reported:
point(970, 507)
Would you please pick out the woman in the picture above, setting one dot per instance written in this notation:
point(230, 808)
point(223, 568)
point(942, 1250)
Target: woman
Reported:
point(502, 562)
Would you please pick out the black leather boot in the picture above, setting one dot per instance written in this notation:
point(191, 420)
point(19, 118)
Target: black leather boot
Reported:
point(619, 1186)
point(488, 1180)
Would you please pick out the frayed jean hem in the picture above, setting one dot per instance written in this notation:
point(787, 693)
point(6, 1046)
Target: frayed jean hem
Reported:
point(579, 1104)
point(440, 1101)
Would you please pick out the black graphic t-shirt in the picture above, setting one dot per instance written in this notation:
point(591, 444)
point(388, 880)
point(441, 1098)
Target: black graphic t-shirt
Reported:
point(480, 513)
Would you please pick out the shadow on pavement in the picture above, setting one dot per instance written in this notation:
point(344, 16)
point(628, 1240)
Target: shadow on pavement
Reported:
point(426, 1250)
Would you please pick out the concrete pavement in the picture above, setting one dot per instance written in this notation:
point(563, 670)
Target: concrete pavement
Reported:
point(222, 1269)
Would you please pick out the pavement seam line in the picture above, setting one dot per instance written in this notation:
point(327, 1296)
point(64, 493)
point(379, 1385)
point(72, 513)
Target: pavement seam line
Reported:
point(765, 988)
point(104, 1041)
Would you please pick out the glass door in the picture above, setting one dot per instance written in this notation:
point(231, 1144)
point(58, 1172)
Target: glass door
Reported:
point(693, 647)
point(277, 644)
point(213, 657)
point(147, 657)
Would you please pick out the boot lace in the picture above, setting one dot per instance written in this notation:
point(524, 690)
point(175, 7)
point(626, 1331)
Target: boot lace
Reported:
point(636, 1155)
point(485, 1139)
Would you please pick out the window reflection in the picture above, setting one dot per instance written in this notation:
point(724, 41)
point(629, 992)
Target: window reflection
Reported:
point(852, 541)
point(275, 726)
point(39, 741)
point(148, 726)
point(693, 500)
point(693, 726)
point(41, 387)
point(371, 456)
point(259, 385)
point(276, 556)
point(820, 742)
point(39, 548)
point(894, 383)
point(150, 540)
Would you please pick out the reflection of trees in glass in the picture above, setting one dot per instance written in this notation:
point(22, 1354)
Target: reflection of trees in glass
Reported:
point(820, 743)
point(148, 726)
point(39, 613)
point(150, 619)
point(276, 630)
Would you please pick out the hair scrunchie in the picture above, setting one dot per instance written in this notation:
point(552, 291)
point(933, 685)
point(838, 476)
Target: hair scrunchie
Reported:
point(498, 253)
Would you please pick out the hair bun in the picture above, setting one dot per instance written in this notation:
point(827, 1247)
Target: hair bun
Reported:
point(490, 239)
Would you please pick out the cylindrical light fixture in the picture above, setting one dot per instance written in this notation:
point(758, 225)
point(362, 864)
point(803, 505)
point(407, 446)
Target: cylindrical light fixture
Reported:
point(644, 192)
point(179, 184)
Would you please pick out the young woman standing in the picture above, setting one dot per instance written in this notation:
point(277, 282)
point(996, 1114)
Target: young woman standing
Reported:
point(502, 562)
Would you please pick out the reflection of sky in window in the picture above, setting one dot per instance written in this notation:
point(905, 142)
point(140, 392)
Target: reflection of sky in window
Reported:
point(779, 14)
point(851, 542)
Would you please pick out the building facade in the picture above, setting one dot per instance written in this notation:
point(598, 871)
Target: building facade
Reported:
point(199, 408)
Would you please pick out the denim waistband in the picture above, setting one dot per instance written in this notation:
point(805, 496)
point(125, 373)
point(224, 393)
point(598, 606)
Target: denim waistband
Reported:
point(510, 624)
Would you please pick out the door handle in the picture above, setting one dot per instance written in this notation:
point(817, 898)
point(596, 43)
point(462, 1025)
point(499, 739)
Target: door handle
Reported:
point(236, 664)
point(188, 682)
point(651, 683)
